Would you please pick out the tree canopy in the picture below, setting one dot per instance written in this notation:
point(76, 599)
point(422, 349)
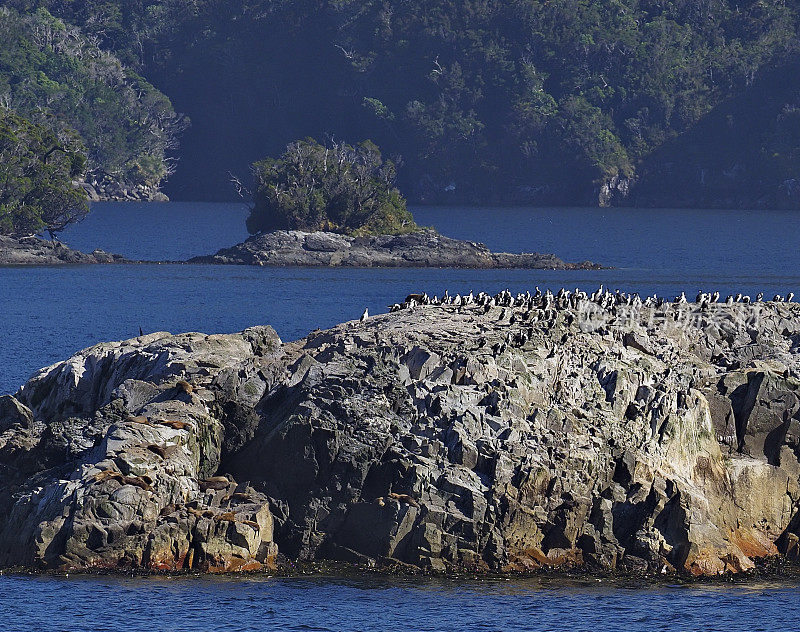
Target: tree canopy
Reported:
point(336, 188)
point(38, 170)
point(508, 100)
point(52, 72)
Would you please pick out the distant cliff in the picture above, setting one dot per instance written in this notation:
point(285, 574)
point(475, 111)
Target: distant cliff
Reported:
point(511, 435)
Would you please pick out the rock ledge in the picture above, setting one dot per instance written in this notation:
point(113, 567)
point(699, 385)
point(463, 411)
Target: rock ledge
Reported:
point(425, 248)
point(506, 437)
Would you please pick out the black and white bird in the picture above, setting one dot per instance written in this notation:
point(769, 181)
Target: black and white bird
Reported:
point(365, 315)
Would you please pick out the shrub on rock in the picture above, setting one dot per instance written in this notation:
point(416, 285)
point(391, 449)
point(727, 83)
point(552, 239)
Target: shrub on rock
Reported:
point(339, 188)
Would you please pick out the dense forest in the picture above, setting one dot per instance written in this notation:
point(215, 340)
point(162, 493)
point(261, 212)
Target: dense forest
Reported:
point(54, 75)
point(650, 102)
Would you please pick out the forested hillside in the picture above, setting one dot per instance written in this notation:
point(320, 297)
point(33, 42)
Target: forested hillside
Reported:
point(54, 74)
point(656, 102)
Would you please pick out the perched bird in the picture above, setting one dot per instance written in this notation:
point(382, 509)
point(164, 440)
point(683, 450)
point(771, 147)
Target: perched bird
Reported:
point(365, 315)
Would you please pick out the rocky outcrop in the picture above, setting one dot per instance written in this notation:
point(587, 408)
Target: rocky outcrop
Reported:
point(110, 460)
point(104, 188)
point(612, 189)
point(445, 437)
point(36, 251)
point(422, 249)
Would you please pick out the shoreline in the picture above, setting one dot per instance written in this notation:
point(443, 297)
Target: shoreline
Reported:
point(33, 251)
point(425, 248)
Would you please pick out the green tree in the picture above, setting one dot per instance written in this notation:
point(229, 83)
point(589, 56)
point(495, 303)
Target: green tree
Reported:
point(52, 73)
point(38, 170)
point(338, 188)
point(490, 96)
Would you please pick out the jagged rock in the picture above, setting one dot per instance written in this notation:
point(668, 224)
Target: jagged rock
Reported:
point(116, 476)
point(442, 437)
point(422, 249)
point(767, 414)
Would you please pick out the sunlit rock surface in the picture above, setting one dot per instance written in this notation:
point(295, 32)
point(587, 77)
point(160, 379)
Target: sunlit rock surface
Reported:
point(450, 438)
point(37, 251)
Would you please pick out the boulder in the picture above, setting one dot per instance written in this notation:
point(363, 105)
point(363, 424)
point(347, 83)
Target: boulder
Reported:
point(424, 248)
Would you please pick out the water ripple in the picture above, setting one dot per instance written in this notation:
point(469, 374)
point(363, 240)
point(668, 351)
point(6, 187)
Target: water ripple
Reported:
point(367, 605)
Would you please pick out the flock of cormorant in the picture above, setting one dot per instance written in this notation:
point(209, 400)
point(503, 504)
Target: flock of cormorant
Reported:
point(563, 299)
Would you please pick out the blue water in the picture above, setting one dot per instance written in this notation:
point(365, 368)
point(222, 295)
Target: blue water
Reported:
point(383, 605)
point(47, 313)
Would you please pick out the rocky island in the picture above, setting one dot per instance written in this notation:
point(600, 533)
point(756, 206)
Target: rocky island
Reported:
point(420, 249)
point(336, 205)
point(505, 433)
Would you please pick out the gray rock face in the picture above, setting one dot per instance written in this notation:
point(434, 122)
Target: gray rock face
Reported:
point(447, 437)
point(35, 251)
point(426, 248)
point(121, 466)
